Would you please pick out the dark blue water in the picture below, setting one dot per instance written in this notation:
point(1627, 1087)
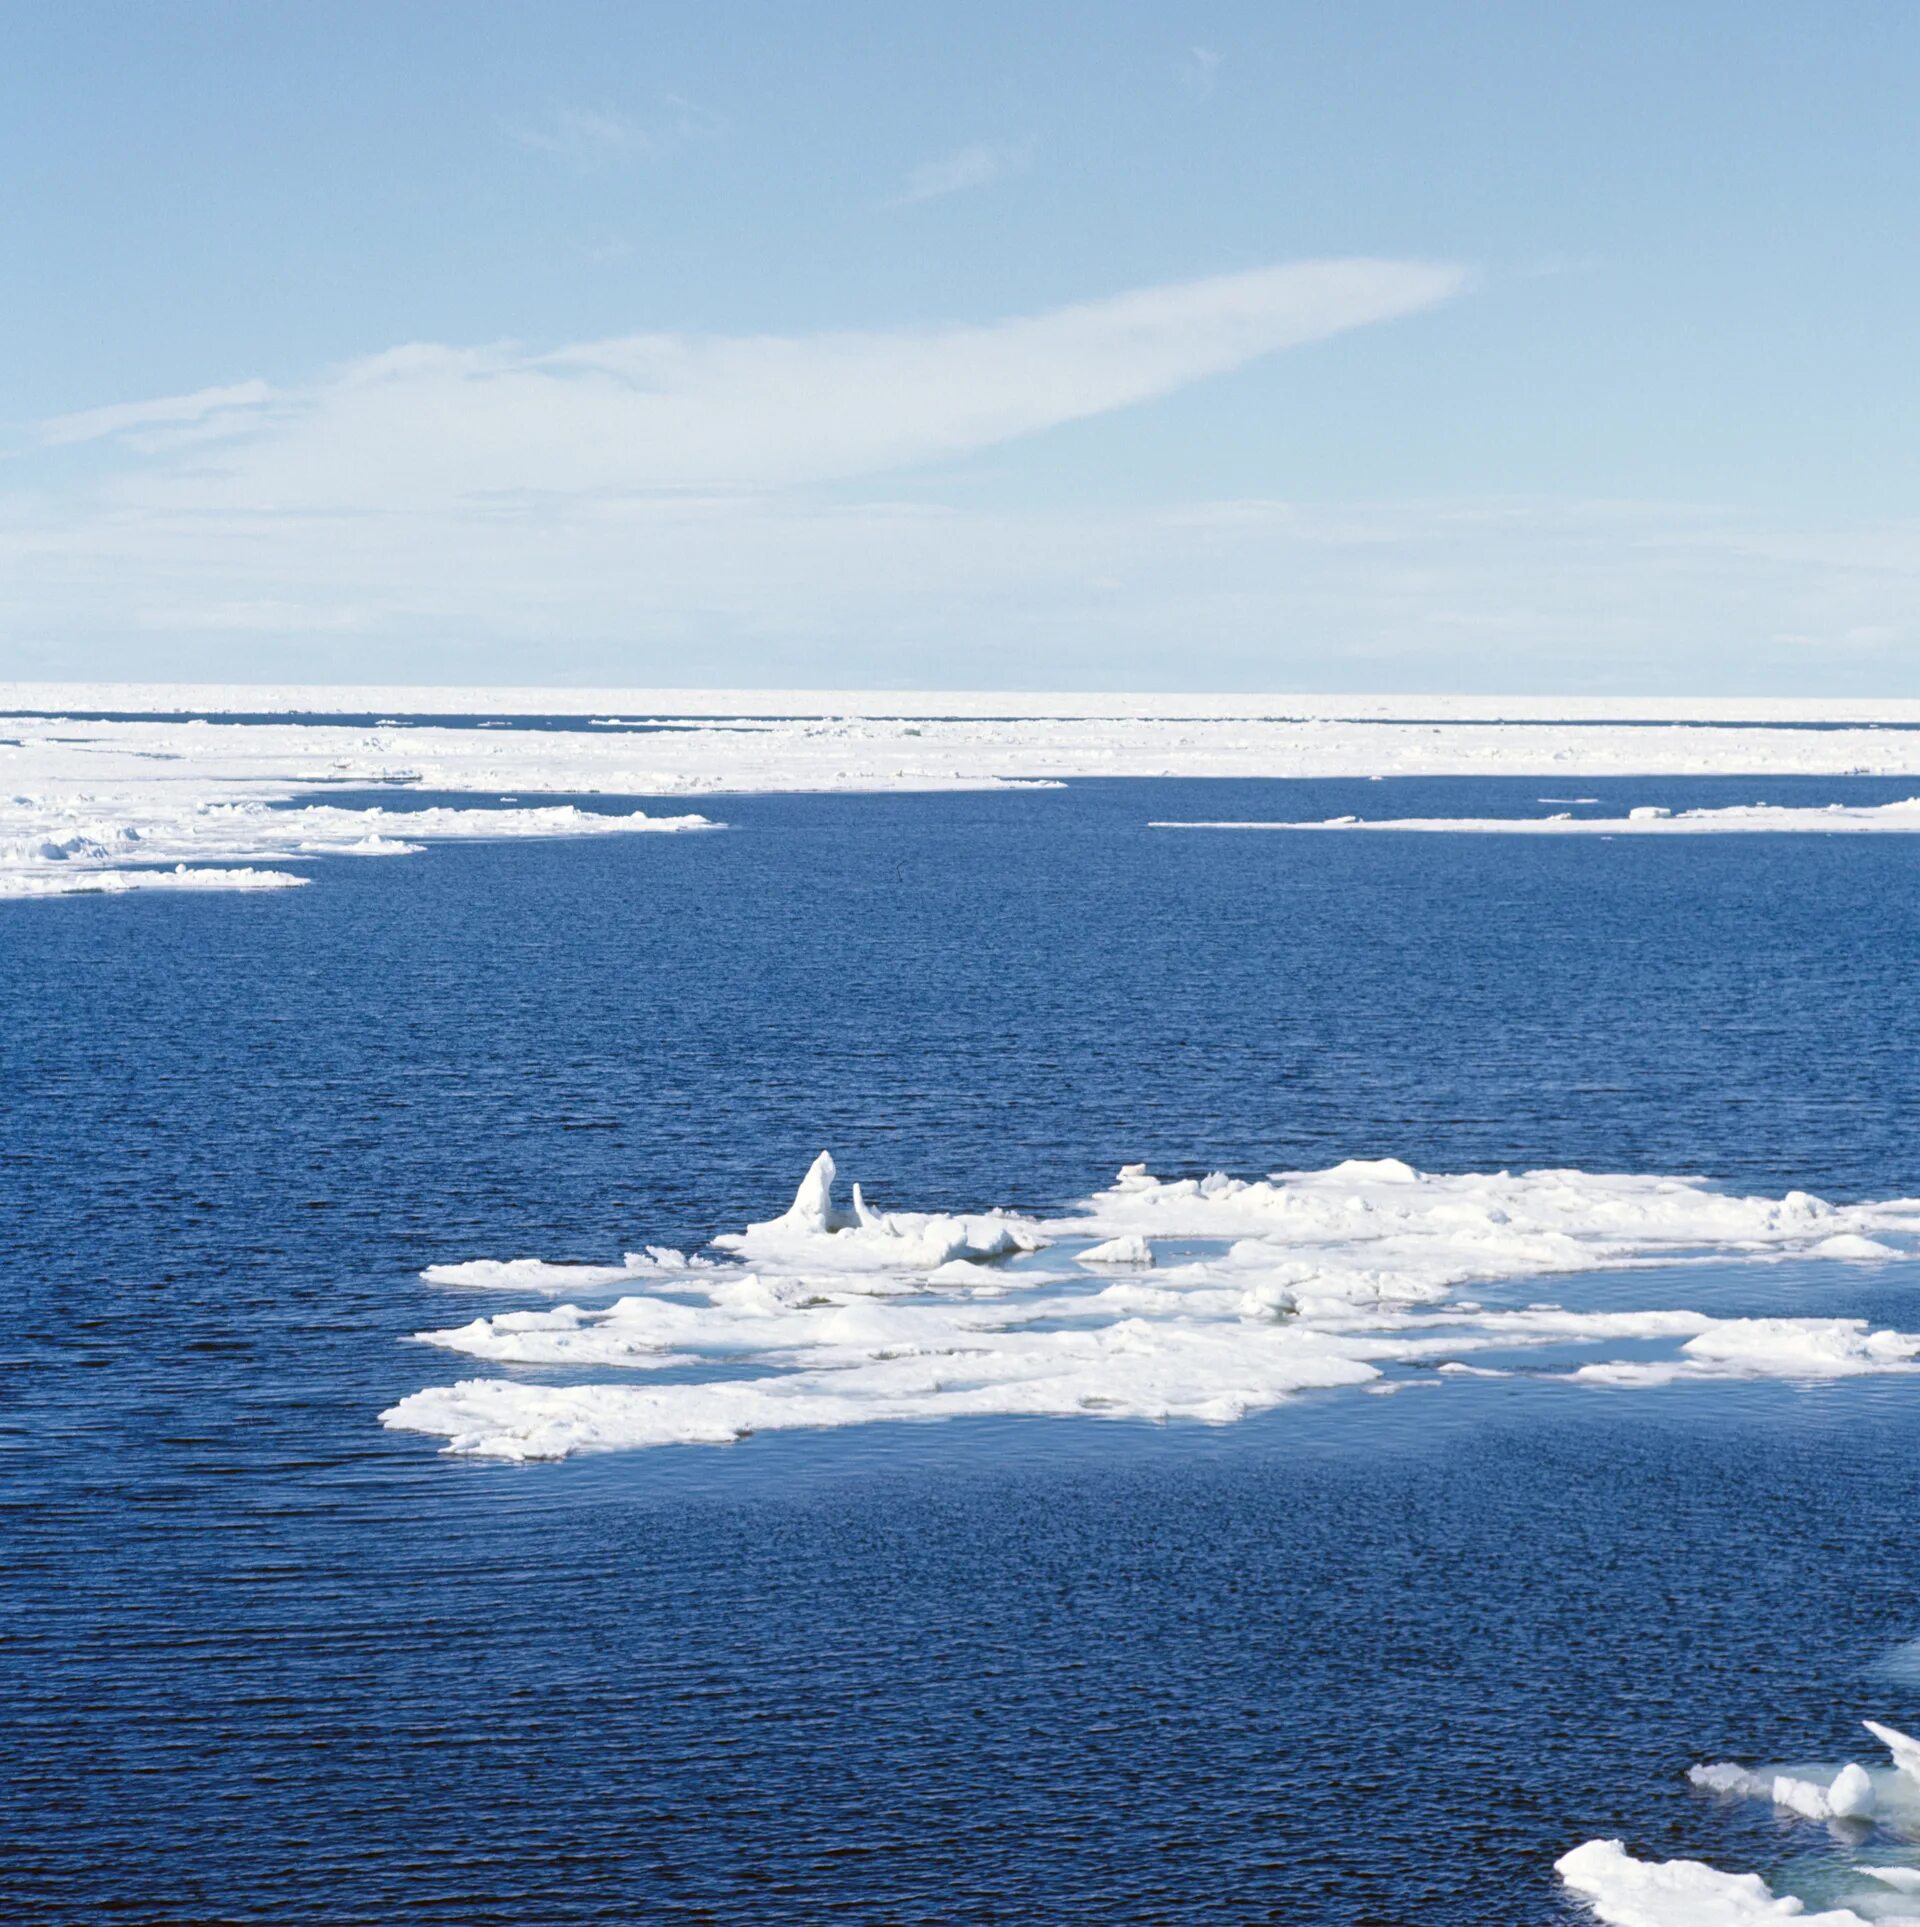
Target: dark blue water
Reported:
point(1357, 1661)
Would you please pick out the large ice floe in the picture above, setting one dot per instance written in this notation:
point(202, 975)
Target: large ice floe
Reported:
point(65, 842)
point(1203, 1299)
point(1901, 817)
point(1867, 1876)
point(107, 781)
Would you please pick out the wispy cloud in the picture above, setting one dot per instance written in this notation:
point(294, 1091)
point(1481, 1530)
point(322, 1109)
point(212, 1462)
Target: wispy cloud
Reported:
point(428, 425)
point(589, 138)
point(1199, 71)
point(978, 165)
point(672, 488)
point(169, 411)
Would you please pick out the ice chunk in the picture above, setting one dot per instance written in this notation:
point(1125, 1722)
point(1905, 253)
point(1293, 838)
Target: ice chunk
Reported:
point(1851, 1796)
point(535, 1274)
point(1680, 1893)
point(1724, 1777)
point(1899, 818)
point(1801, 1797)
point(1302, 1281)
point(1132, 1249)
point(1793, 1348)
point(1905, 1751)
point(814, 1231)
point(1849, 1244)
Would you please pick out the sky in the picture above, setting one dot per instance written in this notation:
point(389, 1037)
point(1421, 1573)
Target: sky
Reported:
point(1378, 347)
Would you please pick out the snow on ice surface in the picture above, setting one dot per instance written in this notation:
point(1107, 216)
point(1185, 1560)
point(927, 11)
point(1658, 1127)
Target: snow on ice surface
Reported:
point(1301, 1281)
point(83, 880)
point(1876, 1810)
point(80, 795)
point(1901, 817)
point(1680, 1893)
point(62, 840)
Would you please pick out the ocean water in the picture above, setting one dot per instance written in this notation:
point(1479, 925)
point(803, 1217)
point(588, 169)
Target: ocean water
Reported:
point(1357, 1660)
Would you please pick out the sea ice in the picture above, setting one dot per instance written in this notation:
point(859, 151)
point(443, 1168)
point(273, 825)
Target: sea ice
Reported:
point(1686, 1893)
point(1901, 818)
point(1129, 1250)
point(1301, 1281)
point(96, 809)
point(1680, 1893)
point(94, 785)
point(1772, 1348)
point(813, 1230)
point(535, 1274)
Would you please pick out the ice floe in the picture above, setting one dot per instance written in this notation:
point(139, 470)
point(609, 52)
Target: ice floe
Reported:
point(1868, 1813)
point(1772, 1348)
point(78, 789)
point(1626, 1892)
point(87, 880)
point(829, 1315)
point(1901, 817)
point(62, 839)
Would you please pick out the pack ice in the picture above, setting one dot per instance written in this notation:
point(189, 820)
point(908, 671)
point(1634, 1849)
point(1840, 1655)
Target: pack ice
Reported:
point(1901, 817)
point(134, 790)
point(1869, 1814)
point(113, 807)
point(1201, 1299)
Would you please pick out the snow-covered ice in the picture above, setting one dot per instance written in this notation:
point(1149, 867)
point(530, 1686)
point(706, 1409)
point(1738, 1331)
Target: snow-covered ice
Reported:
point(1867, 1812)
point(81, 795)
point(829, 1315)
point(77, 832)
point(1899, 818)
point(1626, 1892)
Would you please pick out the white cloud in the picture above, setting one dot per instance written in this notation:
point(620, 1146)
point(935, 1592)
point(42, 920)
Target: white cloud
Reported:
point(582, 137)
point(1199, 71)
point(430, 426)
point(978, 165)
point(589, 138)
point(791, 587)
point(676, 508)
point(170, 411)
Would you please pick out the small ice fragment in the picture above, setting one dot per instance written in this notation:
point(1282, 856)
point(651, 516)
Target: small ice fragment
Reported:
point(1647, 813)
point(812, 1206)
point(1801, 1797)
point(1129, 1250)
point(1851, 1796)
point(1905, 1880)
point(1905, 1751)
point(1679, 1893)
point(1722, 1777)
point(1849, 1244)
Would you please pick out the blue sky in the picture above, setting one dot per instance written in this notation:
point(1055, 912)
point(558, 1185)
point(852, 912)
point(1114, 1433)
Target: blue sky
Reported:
point(1391, 347)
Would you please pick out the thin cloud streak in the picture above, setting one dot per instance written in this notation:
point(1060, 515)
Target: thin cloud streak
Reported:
point(431, 426)
point(979, 165)
point(169, 411)
point(588, 139)
point(1199, 71)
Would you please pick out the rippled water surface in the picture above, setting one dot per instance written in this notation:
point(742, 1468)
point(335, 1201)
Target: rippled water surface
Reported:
point(1358, 1660)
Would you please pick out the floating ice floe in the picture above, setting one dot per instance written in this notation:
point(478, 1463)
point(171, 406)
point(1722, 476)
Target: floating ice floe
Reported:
point(536, 1274)
point(1649, 819)
point(85, 834)
point(85, 881)
point(1626, 1892)
point(130, 766)
point(1860, 1807)
point(1303, 1281)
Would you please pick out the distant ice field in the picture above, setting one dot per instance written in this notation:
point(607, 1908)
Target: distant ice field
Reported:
point(127, 788)
point(1346, 1655)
